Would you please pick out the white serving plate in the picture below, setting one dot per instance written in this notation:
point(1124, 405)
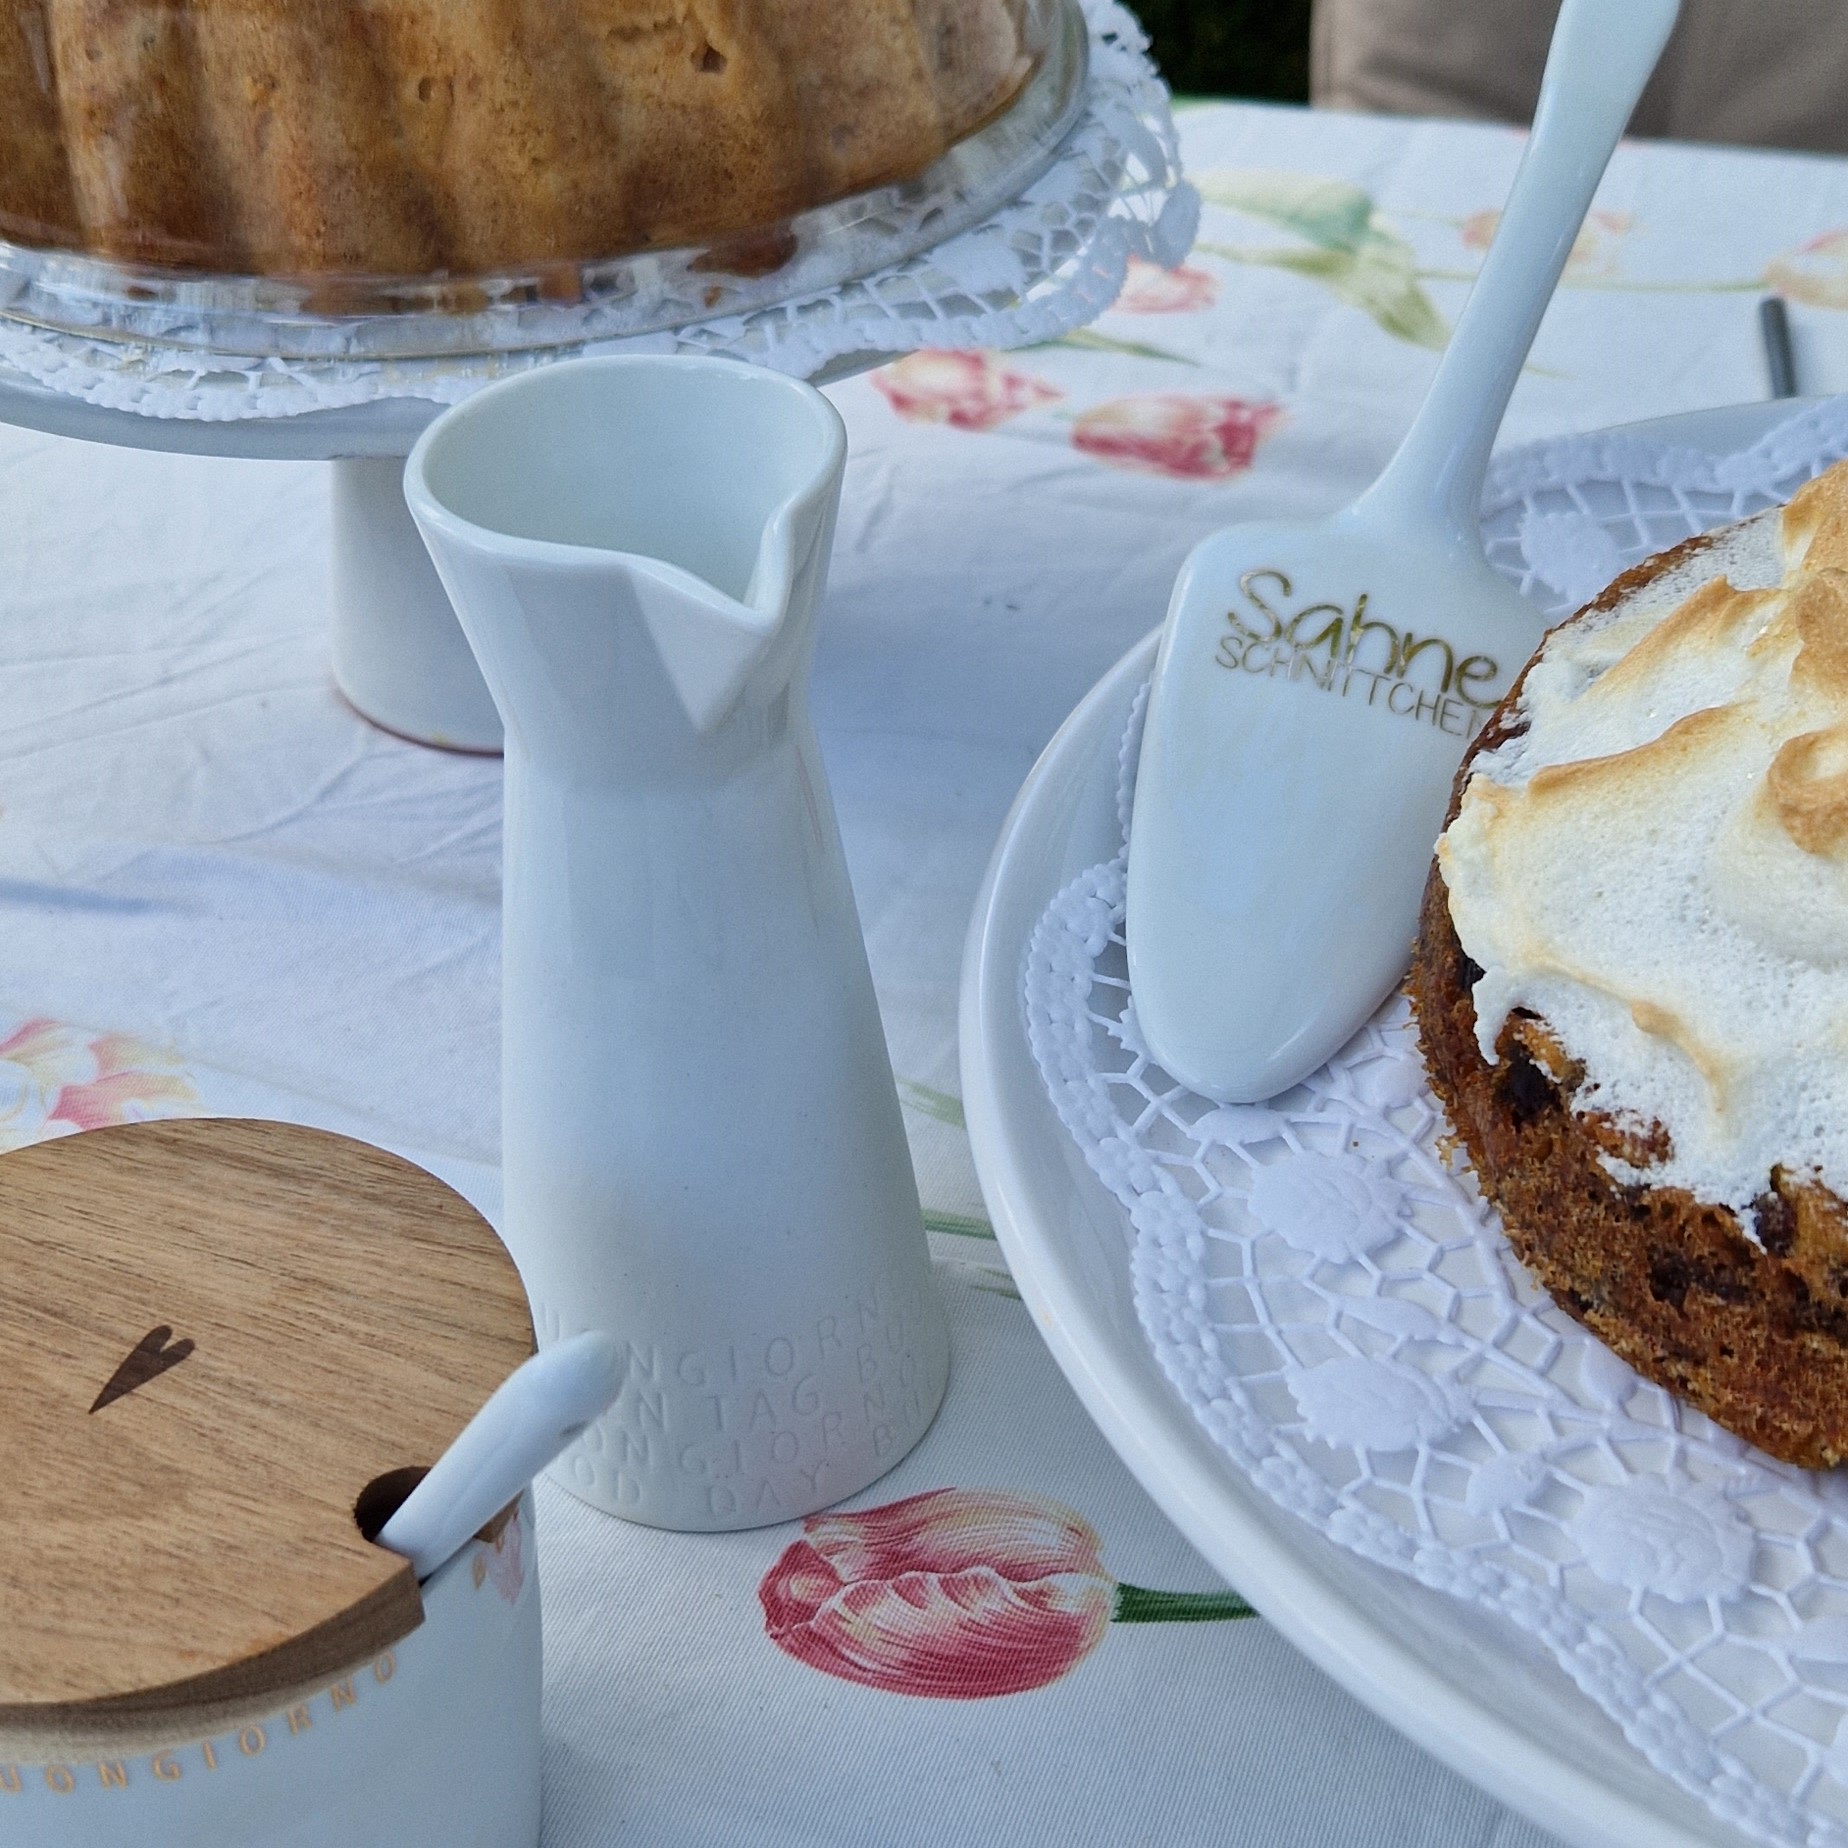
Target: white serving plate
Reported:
point(1474, 1692)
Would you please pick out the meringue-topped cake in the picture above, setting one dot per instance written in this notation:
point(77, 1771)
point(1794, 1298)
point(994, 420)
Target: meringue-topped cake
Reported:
point(1632, 971)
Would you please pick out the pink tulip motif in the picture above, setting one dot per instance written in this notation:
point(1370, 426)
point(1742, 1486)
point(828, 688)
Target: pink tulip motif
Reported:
point(56, 1080)
point(958, 1594)
point(1171, 433)
point(1595, 251)
point(967, 391)
point(1150, 289)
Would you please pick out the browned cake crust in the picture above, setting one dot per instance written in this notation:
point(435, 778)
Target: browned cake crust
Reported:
point(1756, 1337)
point(406, 137)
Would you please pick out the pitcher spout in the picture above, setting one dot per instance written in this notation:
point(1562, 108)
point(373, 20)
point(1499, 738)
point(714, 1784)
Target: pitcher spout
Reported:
point(691, 501)
point(711, 644)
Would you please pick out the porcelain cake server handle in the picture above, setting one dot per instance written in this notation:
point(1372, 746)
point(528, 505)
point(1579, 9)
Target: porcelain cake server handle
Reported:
point(1317, 684)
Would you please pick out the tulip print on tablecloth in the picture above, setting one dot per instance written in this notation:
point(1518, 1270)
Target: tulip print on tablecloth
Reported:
point(958, 1594)
point(1340, 239)
point(1337, 238)
point(967, 391)
point(56, 1080)
point(1177, 434)
point(1185, 436)
point(1150, 289)
point(1814, 273)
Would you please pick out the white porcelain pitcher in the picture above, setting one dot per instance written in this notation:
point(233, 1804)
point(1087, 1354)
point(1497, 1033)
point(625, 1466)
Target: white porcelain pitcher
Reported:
point(701, 1139)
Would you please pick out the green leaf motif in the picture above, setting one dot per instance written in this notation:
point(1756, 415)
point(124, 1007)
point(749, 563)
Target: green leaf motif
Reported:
point(1088, 339)
point(938, 1104)
point(1138, 1604)
point(959, 1225)
point(1381, 280)
point(1350, 253)
point(1331, 214)
point(997, 1285)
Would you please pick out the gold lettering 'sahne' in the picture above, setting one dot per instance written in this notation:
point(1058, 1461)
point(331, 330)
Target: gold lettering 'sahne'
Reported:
point(1248, 584)
point(1322, 643)
point(1360, 626)
point(1410, 650)
point(1328, 636)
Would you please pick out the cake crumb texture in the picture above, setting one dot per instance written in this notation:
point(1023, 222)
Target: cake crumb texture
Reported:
point(409, 137)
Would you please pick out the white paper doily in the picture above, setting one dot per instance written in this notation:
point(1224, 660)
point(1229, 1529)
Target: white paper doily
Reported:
point(1052, 261)
point(1341, 1313)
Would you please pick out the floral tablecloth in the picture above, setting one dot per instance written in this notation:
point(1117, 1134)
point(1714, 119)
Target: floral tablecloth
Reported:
point(221, 891)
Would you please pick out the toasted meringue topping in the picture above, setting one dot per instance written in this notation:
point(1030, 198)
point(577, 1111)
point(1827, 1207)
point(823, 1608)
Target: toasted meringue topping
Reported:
point(1657, 864)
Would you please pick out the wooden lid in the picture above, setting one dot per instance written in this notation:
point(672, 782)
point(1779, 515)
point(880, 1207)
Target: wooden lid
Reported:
point(216, 1334)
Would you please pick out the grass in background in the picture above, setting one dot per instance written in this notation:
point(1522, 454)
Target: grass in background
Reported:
point(1231, 47)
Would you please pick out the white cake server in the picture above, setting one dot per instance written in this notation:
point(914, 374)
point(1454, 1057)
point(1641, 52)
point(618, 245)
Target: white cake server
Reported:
point(535, 1413)
point(1317, 684)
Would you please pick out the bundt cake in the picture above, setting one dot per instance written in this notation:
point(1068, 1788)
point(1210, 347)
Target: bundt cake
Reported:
point(416, 137)
point(1631, 978)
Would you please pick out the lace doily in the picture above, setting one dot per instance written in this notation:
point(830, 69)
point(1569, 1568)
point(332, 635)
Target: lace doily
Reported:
point(1339, 1308)
point(1043, 266)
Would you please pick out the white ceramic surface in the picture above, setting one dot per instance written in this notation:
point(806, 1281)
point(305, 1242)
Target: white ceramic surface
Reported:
point(701, 1140)
point(434, 1744)
point(535, 1412)
point(1476, 1694)
point(400, 656)
point(1317, 684)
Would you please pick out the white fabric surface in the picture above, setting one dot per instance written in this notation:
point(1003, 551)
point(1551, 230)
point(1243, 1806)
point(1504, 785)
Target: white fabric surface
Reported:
point(236, 896)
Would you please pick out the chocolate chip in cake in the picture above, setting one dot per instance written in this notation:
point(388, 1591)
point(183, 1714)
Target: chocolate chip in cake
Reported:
point(1669, 1277)
point(1525, 1089)
point(1776, 1222)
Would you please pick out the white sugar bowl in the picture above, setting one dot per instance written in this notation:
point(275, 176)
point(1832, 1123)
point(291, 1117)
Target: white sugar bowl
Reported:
point(232, 1349)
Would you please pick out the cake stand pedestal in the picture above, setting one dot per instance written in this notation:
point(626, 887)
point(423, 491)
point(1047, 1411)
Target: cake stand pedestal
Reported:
point(399, 656)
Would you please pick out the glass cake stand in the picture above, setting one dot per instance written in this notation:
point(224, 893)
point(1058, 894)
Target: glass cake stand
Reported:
point(398, 654)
